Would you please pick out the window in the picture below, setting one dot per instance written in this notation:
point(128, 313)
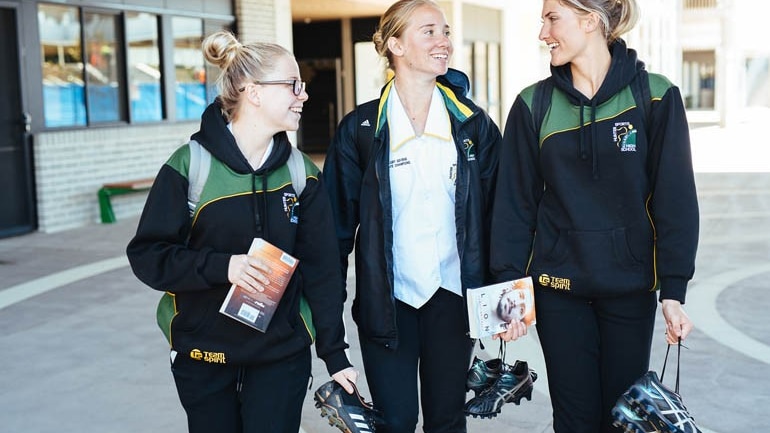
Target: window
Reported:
point(144, 76)
point(108, 66)
point(758, 82)
point(698, 79)
point(81, 78)
point(190, 79)
point(484, 73)
point(102, 68)
point(62, 56)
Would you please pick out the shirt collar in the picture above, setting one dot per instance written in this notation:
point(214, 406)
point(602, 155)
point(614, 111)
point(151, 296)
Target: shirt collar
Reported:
point(437, 125)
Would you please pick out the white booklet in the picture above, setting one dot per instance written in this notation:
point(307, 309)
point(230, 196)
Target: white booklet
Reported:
point(491, 308)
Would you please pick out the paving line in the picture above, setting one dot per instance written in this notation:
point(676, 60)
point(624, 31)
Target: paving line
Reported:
point(703, 310)
point(24, 291)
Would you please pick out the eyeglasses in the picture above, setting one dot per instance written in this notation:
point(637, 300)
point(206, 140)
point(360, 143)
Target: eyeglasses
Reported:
point(297, 86)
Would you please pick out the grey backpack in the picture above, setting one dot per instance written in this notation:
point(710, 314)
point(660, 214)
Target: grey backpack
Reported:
point(200, 163)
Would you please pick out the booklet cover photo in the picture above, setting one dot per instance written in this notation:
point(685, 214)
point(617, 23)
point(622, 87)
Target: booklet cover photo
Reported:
point(491, 308)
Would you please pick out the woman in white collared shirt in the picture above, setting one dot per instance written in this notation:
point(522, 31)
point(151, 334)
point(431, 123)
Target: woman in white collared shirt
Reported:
point(410, 177)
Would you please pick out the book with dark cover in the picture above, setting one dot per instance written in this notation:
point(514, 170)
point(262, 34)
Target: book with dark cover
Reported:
point(257, 309)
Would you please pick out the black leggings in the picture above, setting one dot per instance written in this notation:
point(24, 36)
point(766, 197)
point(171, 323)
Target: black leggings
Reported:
point(432, 343)
point(269, 400)
point(594, 350)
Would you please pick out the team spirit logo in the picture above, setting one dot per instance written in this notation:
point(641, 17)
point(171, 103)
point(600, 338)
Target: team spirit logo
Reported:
point(212, 357)
point(291, 207)
point(558, 283)
point(470, 149)
point(624, 136)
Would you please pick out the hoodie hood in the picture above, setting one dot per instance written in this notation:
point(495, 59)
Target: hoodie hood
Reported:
point(220, 142)
point(624, 67)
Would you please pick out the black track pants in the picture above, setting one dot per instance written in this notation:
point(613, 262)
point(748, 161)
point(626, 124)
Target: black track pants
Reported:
point(433, 344)
point(269, 400)
point(594, 350)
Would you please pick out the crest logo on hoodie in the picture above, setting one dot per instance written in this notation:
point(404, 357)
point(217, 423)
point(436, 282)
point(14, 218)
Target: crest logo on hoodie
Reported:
point(470, 149)
point(624, 136)
point(291, 207)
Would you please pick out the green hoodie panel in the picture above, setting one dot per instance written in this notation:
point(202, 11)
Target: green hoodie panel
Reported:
point(563, 116)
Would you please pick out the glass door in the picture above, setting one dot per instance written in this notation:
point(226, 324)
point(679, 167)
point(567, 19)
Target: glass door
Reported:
point(17, 214)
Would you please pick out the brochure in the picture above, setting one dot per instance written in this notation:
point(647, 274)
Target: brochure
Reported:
point(491, 308)
point(256, 309)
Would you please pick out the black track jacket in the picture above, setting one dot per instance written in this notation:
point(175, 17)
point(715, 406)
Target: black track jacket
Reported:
point(357, 178)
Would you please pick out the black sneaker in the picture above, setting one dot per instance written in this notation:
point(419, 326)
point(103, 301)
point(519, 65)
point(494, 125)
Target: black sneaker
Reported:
point(624, 416)
point(348, 412)
point(483, 374)
point(513, 384)
point(661, 406)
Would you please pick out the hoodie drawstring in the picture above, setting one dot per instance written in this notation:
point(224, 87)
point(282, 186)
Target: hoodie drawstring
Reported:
point(255, 204)
point(594, 145)
point(581, 142)
point(581, 138)
point(258, 223)
point(264, 206)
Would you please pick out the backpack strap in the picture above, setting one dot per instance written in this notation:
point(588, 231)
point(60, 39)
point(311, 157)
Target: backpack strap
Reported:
point(297, 171)
point(640, 88)
point(541, 101)
point(198, 173)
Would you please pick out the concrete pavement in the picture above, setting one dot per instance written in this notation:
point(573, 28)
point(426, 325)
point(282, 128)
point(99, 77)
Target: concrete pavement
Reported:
point(82, 353)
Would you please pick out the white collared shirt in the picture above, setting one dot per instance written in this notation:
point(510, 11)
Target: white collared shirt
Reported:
point(423, 172)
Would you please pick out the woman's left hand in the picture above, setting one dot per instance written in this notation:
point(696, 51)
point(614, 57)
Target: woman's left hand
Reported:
point(678, 324)
point(345, 378)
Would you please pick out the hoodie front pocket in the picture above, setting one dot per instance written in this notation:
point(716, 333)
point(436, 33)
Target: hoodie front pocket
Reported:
point(595, 262)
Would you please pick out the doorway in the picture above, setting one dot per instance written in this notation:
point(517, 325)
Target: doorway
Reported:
point(17, 215)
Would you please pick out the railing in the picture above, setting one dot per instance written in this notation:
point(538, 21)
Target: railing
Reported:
point(700, 4)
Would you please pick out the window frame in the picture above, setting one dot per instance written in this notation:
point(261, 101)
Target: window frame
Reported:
point(165, 47)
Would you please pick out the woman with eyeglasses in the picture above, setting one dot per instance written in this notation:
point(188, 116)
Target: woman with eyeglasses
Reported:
point(230, 377)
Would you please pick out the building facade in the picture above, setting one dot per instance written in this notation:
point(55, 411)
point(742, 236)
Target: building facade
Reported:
point(103, 92)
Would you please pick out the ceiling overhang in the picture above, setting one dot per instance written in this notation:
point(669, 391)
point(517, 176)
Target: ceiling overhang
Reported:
point(317, 10)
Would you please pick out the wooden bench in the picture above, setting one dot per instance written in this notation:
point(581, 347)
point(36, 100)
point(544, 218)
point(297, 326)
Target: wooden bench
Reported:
point(119, 188)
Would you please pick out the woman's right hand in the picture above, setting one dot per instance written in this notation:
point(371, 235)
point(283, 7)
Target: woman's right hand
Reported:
point(248, 272)
point(345, 377)
point(516, 329)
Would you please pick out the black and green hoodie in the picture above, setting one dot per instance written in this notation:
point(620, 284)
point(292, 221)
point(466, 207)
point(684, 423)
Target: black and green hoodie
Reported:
point(599, 204)
point(238, 204)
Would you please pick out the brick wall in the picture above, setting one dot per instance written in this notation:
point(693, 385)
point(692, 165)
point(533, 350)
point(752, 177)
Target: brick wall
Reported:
point(256, 20)
point(71, 166)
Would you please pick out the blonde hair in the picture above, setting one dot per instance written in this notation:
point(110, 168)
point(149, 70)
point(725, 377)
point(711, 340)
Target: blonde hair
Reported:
point(393, 23)
point(240, 64)
point(617, 16)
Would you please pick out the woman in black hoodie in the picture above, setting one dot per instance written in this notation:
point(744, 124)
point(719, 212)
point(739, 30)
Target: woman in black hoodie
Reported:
point(231, 377)
point(597, 202)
